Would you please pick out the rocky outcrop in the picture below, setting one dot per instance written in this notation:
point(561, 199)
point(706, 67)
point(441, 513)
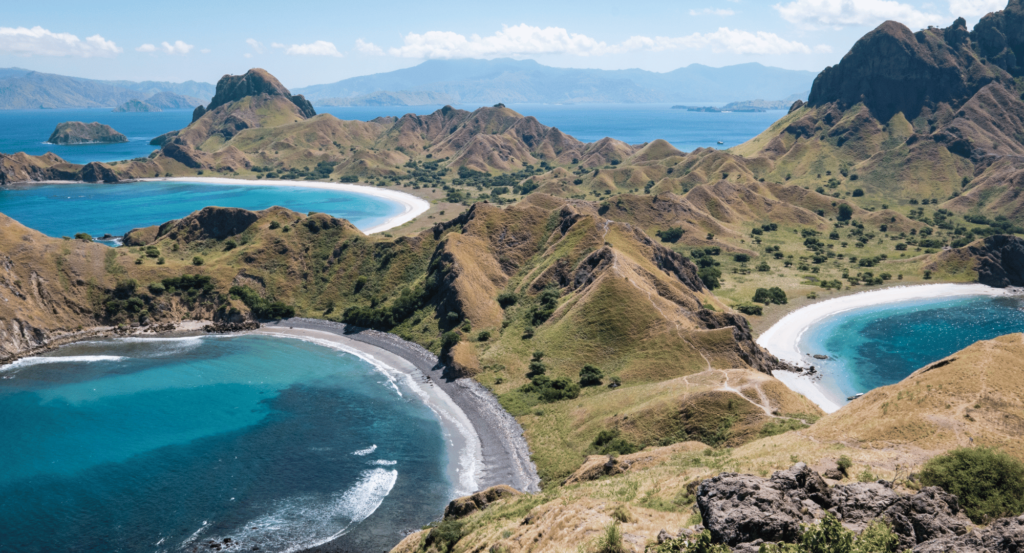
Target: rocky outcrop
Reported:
point(999, 37)
point(479, 501)
point(742, 509)
point(1003, 535)
point(231, 88)
point(1000, 261)
point(98, 172)
point(217, 223)
point(76, 132)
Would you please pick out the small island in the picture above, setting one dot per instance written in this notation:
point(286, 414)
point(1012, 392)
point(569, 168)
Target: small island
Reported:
point(76, 132)
point(136, 106)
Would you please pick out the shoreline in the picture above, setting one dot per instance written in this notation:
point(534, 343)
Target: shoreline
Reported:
point(783, 338)
point(504, 456)
point(412, 206)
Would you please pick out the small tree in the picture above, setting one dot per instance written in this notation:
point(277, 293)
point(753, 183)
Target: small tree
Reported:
point(673, 234)
point(590, 376)
point(197, 260)
point(844, 463)
point(845, 213)
point(449, 339)
point(537, 367)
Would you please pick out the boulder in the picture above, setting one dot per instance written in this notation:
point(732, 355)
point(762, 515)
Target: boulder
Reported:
point(479, 501)
point(1005, 535)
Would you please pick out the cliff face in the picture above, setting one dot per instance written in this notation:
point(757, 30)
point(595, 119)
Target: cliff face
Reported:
point(1000, 261)
point(76, 132)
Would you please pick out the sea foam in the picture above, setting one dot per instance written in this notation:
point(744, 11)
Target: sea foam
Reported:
point(30, 361)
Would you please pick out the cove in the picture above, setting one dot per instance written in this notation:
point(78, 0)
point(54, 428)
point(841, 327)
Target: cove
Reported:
point(878, 345)
point(164, 444)
point(98, 209)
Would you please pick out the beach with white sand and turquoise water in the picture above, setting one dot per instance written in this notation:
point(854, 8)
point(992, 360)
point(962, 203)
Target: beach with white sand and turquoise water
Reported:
point(877, 338)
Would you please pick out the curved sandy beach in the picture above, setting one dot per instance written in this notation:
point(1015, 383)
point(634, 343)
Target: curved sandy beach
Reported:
point(488, 442)
point(783, 338)
point(412, 206)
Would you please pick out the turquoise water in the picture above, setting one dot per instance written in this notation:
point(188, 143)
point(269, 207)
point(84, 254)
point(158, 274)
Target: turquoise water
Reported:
point(881, 345)
point(66, 209)
point(166, 444)
point(27, 130)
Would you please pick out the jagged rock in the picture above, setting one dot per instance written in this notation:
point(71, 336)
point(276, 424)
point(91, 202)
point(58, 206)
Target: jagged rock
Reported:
point(479, 501)
point(1000, 261)
point(231, 327)
point(741, 509)
point(231, 88)
point(1005, 535)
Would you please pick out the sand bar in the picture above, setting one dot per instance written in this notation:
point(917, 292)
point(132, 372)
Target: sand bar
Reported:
point(783, 339)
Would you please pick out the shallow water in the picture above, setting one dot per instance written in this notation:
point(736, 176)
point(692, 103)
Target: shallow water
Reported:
point(881, 345)
point(165, 444)
point(97, 209)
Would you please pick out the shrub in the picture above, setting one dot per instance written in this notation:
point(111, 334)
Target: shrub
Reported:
point(84, 236)
point(611, 541)
point(506, 299)
point(673, 234)
point(549, 390)
point(443, 536)
point(483, 336)
point(710, 277)
point(449, 339)
point(152, 251)
point(845, 213)
point(828, 536)
point(741, 258)
point(230, 245)
point(274, 225)
point(764, 267)
point(197, 260)
point(857, 192)
point(261, 307)
point(750, 309)
point(537, 366)
point(156, 288)
point(701, 543)
point(988, 482)
point(610, 441)
point(844, 463)
point(771, 295)
point(590, 376)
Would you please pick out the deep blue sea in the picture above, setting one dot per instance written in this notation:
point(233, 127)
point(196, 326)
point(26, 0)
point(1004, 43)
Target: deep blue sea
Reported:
point(881, 345)
point(66, 209)
point(27, 130)
point(165, 444)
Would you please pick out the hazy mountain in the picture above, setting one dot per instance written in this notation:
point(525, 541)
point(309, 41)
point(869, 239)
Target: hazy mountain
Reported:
point(24, 89)
point(526, 81)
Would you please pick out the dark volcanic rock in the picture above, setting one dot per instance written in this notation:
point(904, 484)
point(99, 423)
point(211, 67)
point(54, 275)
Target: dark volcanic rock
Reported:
point(479, 501)
point(1000, 261)
point(742, 509)
point(232, 88)
point(1005, 535)
point(76, 132)
point(892, 69)
point(999, 37)
point(214, 222)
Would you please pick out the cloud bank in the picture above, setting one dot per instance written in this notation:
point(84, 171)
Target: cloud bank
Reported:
point(38, 41)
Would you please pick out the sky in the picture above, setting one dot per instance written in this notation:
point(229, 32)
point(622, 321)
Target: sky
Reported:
point(316, 42)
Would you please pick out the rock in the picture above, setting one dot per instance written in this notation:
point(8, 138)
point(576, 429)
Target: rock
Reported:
point(98, 172)
point(1000, 261)
point(231, 327)
point(76, 132)
point(834, 474)
point(663, 536)
point(819, 356)
point(1005, 535)
point(740, 509)
point(479, 501)
point(231, 88)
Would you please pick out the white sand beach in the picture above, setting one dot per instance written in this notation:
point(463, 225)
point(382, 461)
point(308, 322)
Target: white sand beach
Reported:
point(412, 206)
point(783, 339)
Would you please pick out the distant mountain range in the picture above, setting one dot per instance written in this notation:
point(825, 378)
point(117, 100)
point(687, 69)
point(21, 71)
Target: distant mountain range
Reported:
point(485, 82)
point(472, 82)
point(24, 89)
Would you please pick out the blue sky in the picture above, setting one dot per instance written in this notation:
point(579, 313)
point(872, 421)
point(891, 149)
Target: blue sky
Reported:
point(314, 41)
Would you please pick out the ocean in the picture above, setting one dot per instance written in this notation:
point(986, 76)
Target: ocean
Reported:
point(27, 130)
point(142, 444)
point(98, 209)
point(881, 345)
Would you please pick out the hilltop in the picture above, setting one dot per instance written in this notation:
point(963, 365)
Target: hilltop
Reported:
point(76, 132)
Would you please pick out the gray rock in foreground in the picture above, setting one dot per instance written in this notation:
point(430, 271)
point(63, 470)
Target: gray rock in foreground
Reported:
point(741, 509)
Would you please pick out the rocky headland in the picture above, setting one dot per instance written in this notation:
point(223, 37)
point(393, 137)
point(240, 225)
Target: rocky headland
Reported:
point(136, 106)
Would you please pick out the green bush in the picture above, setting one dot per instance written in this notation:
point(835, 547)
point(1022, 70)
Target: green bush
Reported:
point(156, 288)
point(274, 225)
point(443, 536)
point(84, 236)
point(750, 309)
point(230, 245)
point(988, 482)
point(673, 234)
point(590, 376)
point(449, 339)
point(261, 307)
point(549, 390)
point(844, 463)
point(610, 441)
point(507, 299)
point(845, 213)
point(197, 260)
point(771, 295)
point(483, 336)
point(152, 251)
point(710, 276)
point(741, 258)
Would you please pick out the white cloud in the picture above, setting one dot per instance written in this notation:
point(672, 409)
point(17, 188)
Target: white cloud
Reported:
point(318, 48)
point(712, 11)
point(255, 44)
point(38, 41)
point(723, 40)
point(525, 40)
point(518, 40)
point(974, 8)
point(817, 14)
point(368, 47)
point(146, 48)
point(178, 47)
point(276, 45)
